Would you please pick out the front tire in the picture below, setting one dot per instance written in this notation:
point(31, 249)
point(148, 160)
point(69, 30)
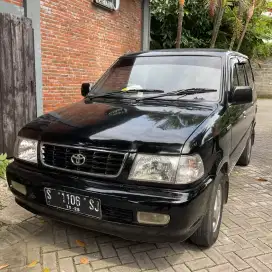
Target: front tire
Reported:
point(207, 234)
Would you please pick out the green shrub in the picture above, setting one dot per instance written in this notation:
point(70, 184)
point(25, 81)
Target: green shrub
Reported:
point(3, 165)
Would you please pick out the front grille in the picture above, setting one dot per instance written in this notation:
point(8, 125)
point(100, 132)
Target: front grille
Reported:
point(97, 162)
point(116, 214)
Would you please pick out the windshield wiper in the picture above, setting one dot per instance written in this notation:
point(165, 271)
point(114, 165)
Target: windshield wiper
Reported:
point(132, 91)
point(182, 92)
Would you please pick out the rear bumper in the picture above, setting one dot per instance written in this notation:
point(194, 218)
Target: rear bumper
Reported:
point(186, 208)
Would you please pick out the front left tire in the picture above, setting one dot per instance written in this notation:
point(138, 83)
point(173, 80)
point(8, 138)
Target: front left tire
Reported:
point(207, 234)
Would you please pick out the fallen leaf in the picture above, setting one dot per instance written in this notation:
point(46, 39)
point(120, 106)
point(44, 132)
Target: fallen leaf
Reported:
point(80, 243)
point(46, 270)
point(261, 179)
point(3, 266)
point(84, 260)
point(32, 264)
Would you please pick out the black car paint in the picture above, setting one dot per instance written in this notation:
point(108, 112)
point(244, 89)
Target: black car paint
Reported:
point(218, 131)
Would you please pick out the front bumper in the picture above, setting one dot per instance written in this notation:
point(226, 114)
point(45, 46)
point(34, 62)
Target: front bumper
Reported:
point(120, 203)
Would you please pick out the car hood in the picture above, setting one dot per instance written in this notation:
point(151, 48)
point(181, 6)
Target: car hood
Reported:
point(120, 126)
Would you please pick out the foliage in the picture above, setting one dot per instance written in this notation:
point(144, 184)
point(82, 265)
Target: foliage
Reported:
point(3, 165)
point(198, 26)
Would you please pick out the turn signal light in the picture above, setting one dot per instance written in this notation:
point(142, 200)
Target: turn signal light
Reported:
point(153, 218)
point(19, 187)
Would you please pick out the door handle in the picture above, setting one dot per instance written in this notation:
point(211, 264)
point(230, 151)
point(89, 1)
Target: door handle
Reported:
point(244, 114)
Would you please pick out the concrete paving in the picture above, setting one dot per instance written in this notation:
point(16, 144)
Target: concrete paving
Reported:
point(244, 244)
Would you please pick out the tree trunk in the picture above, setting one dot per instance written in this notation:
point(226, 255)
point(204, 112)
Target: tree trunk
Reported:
point(217, 26)
point(243, 34)
point(233, 38)
point(236, 30)
point(180, 21)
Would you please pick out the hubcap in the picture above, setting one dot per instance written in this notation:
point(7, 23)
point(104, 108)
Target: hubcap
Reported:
point(217, 208)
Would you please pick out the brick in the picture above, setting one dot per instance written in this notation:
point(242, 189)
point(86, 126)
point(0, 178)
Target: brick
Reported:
point(64, 63)
point(177, 247)
point(91, 257)
point(257, 265)
point(70, 252)
point(179, 258)
point(161, 263)
point(108, 251)
point(222, 268)
point(249, 252)
point(50, 260)
point(200, 263)
point(266, 259)
point(240, 241)
point(160, 252)
point(141, 247)
point(144, 261)
point(125, 255)
point(260, 245)
point(236, 261)
point(215, 256)
point(60, 236)
point(56, 247)
point(181, 268)
point(33, 255)
point(66, 265)
point(125, 259)
point(106, 263)
point(126, 268)
point(228, 248)
point(83, 268)
point(195, 251)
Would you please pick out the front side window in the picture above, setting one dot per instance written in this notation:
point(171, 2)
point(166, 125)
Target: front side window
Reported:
point(241, 74)
point(166, 73)
point(249, 74)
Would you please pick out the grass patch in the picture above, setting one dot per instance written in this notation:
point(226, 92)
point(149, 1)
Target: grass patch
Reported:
point(4, 162)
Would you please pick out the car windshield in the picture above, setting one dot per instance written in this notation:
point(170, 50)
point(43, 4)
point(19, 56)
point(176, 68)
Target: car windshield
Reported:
point(167, 73)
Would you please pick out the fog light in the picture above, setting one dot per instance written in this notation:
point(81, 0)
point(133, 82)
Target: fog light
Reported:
point(153, 218)
point(18, 187)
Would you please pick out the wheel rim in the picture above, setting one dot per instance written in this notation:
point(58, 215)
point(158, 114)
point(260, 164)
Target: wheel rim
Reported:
point(249, 149)
point(217, 208)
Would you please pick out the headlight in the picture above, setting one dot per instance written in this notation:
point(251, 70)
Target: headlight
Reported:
point(167, 169)
point(26, 149)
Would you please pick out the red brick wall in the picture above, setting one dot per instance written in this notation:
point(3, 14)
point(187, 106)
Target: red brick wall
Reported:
point(16, 2)
point(80, 41)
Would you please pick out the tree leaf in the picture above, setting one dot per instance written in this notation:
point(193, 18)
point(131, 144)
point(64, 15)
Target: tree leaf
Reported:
point(3, 266)
point(80, 243)
point(46, 269)
point(84, 260)
point(261, 179)
point(34, 263)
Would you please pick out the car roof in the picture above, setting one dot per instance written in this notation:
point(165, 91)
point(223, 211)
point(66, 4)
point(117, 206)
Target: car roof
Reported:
point(188, 52)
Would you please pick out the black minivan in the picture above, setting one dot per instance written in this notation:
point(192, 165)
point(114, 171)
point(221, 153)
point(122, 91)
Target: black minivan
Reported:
point(146, 155)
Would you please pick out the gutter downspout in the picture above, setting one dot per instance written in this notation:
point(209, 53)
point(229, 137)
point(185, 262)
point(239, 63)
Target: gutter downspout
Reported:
point(146, 18)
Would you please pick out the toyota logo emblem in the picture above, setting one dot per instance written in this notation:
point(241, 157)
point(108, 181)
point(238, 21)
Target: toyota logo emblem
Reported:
point(78, 159)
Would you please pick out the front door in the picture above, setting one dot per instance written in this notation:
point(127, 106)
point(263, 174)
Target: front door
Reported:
point(238, 114)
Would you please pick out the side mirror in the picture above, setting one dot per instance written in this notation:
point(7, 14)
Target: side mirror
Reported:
point(242, 95)
point(86, 88)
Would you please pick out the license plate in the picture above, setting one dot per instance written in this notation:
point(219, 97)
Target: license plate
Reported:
point(80, 204)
